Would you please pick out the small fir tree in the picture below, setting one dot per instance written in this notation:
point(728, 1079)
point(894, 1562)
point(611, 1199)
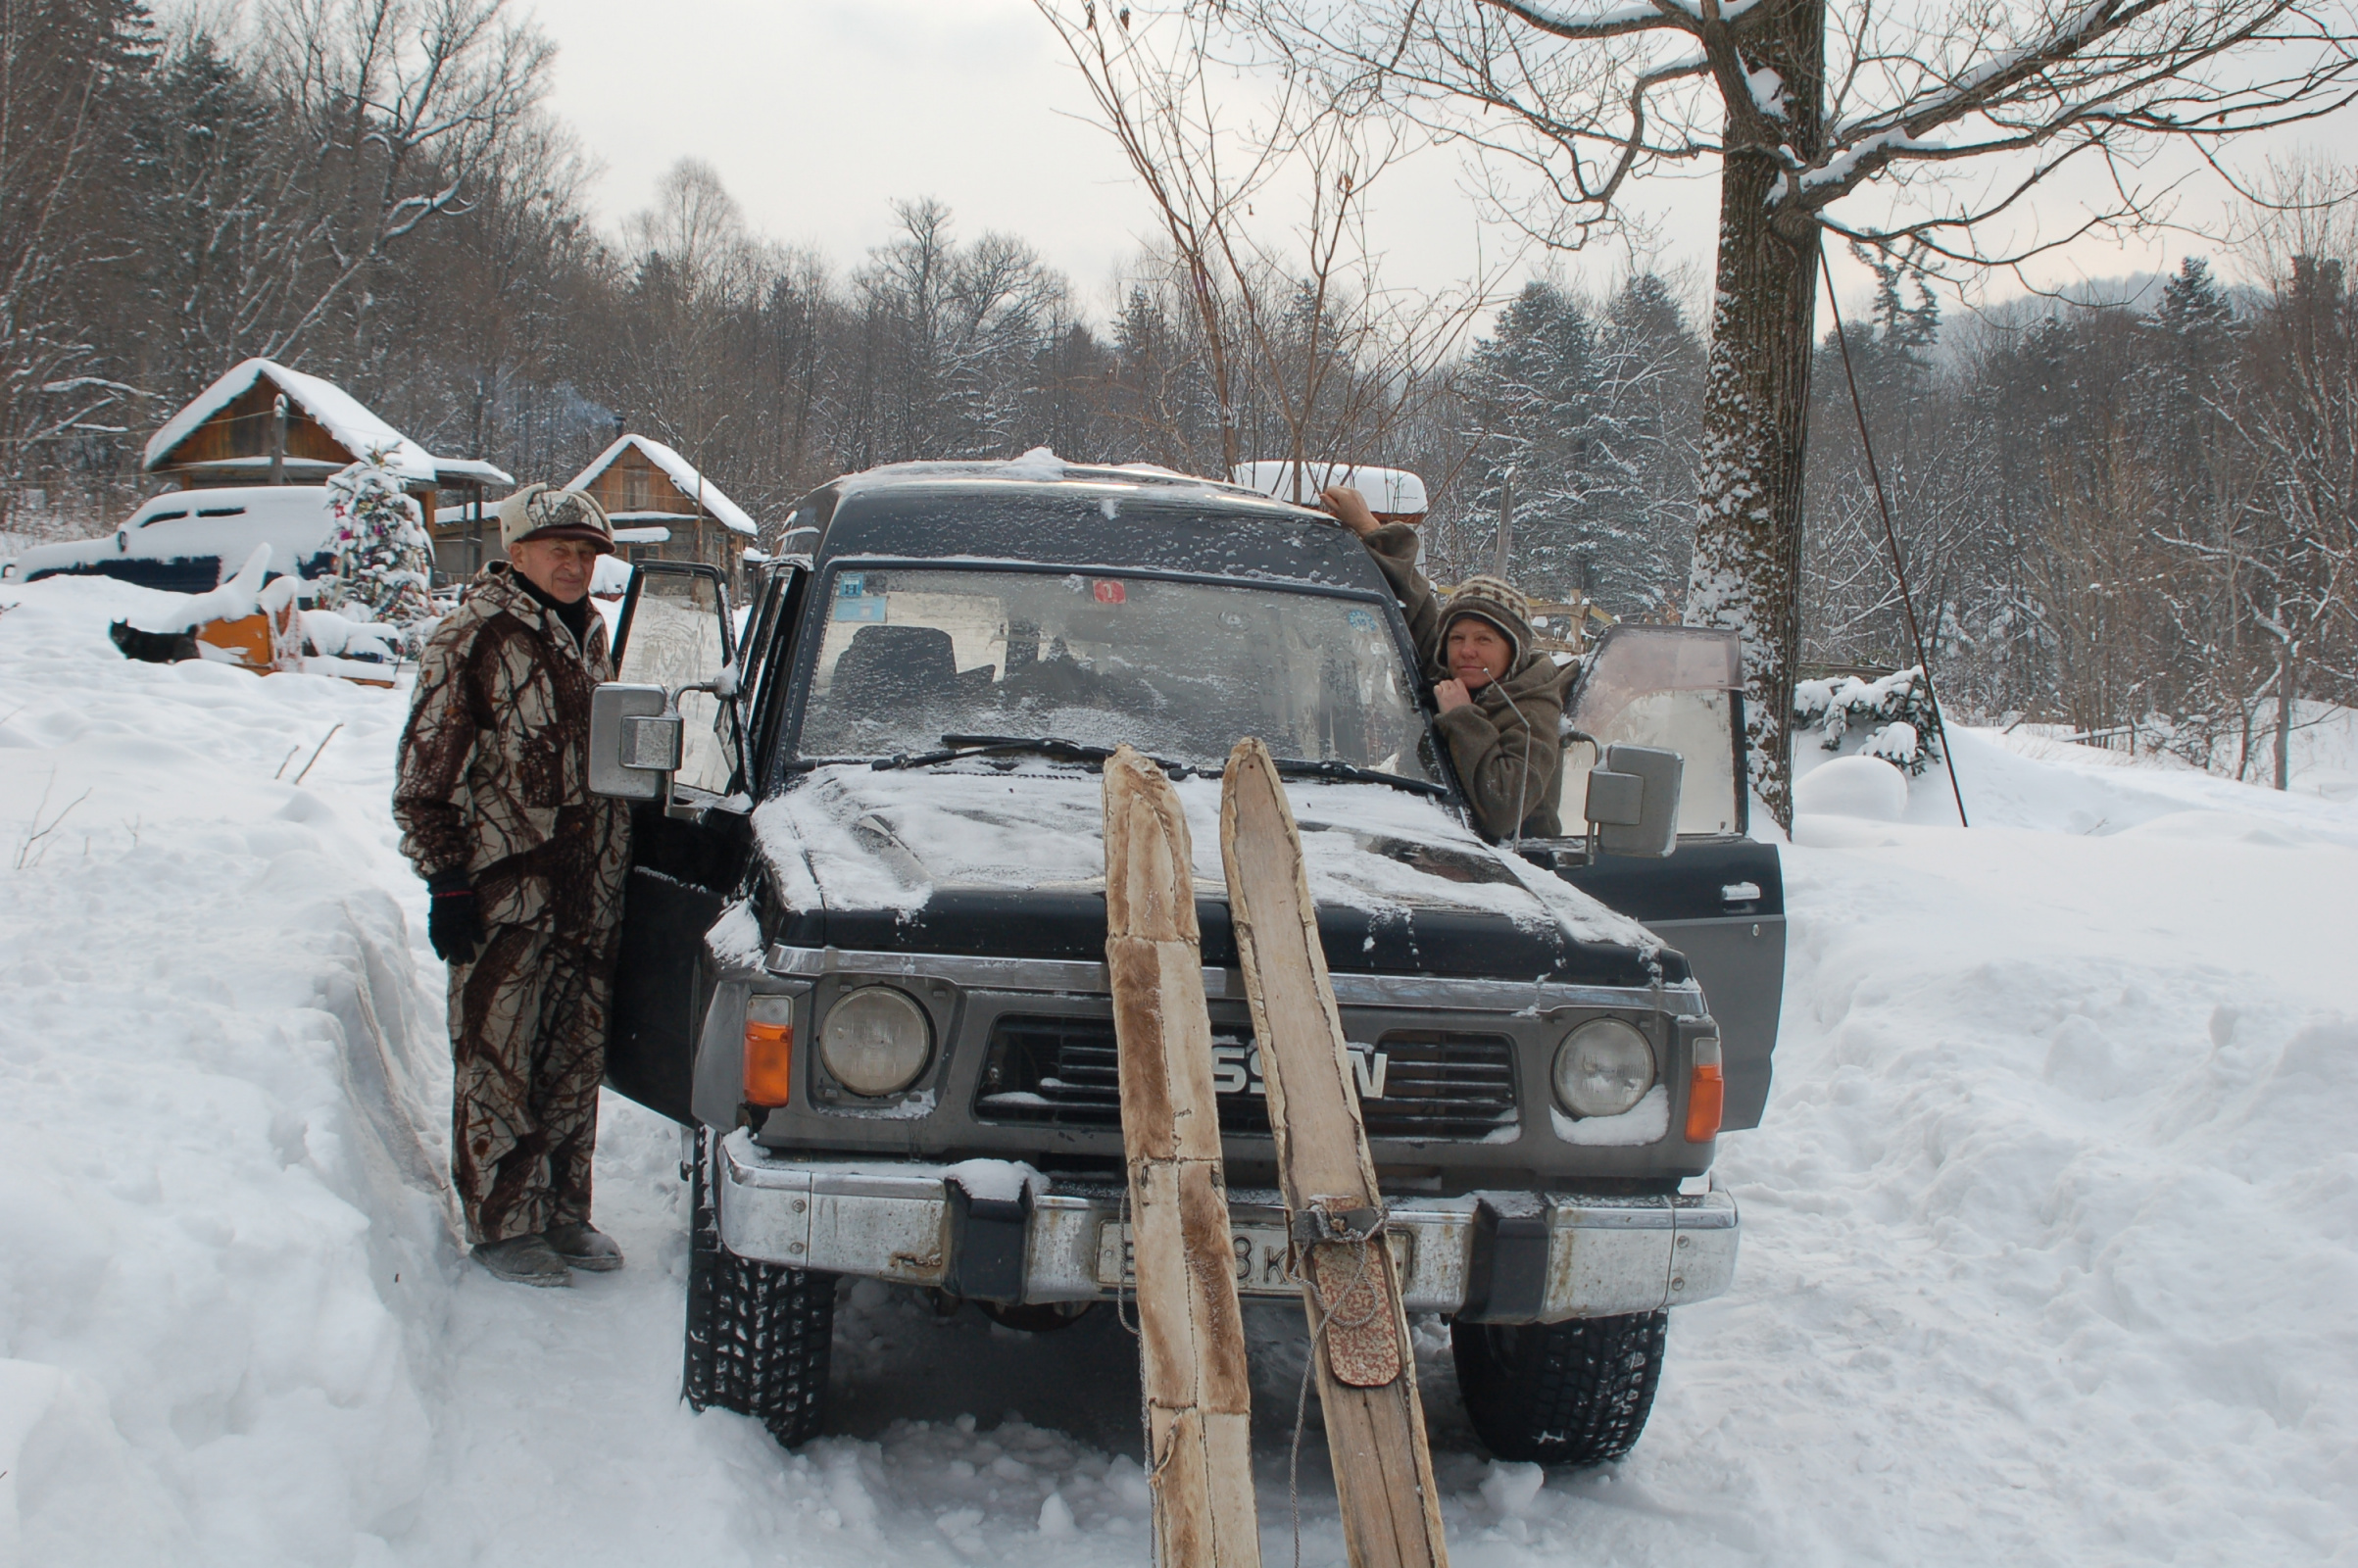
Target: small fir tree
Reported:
point(384, 559)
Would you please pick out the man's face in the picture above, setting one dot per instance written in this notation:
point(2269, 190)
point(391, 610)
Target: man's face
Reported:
point(558, 567)
point(1477, 653)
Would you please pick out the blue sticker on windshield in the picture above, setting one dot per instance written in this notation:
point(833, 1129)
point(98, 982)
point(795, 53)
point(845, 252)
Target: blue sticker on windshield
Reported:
point(1361, 621)
point(862, 609)
point(851, 585)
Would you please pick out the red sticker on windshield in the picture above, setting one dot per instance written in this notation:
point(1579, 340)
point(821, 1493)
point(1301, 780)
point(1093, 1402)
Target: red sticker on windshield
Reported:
point(1109, 591)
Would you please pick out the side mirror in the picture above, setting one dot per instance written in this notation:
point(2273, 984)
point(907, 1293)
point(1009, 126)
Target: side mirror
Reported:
point(635, 742)
point(1634, 801)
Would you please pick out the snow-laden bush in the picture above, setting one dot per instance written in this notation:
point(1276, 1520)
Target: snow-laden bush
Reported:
point(1905, 728)
point(384, 559)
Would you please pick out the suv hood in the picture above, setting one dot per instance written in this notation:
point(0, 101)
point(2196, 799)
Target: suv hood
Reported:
point(975, 860)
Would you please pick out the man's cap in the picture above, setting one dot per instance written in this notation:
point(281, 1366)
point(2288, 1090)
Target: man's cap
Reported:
point(544, 512)
point(1497, 601)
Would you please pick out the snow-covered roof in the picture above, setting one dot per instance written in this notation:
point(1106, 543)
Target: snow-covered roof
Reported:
point(1393, 491)
point(680, 472)
point(475, 468)
point(355, 427)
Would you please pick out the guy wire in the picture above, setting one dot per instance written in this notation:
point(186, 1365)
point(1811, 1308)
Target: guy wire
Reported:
point(1890, 535)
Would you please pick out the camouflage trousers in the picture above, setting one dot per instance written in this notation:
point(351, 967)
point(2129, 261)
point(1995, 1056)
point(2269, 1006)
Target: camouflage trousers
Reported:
point(527, 1035)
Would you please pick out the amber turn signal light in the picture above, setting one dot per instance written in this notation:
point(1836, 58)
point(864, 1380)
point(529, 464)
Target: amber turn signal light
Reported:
point(1706, 1093)
point(769, 1051)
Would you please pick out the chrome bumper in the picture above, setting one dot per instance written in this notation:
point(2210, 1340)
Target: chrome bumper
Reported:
point(1505, 1257)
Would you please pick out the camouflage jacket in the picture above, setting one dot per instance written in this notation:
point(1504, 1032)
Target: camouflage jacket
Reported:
point(494, 765)
point(1507, 742)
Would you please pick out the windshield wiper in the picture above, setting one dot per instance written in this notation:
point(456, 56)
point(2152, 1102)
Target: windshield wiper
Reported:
point(1353, 773)
point(1053, 747)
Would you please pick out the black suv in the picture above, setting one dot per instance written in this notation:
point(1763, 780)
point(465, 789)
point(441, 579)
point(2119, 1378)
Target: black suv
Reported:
point(863, 952)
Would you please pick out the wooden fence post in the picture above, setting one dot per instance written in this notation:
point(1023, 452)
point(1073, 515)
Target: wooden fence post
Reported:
point(1365, 1364)
point(1191, 1334)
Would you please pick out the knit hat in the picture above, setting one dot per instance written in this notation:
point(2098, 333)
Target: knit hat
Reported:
point(1498, 602)
point(543, 512)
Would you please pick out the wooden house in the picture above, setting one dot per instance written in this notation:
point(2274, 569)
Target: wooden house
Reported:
point(662, 508)
point(263, 423)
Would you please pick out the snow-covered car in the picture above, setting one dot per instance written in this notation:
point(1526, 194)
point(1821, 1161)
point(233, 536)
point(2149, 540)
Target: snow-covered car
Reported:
point(863, 949)
point(192, 541)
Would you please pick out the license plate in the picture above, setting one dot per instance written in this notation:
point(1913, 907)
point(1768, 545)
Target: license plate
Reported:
point(1260, 1259)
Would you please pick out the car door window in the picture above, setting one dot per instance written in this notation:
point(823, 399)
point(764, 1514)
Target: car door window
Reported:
point(675, 633)
point(1672, 687)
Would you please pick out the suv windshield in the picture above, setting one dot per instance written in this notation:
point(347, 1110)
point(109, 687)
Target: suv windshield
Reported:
point(1181, 671)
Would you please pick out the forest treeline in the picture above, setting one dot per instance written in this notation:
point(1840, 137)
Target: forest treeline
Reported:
point(2138, 511)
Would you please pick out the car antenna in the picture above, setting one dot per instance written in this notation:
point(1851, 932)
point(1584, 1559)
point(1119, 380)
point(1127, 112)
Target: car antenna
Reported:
point(1890, 535)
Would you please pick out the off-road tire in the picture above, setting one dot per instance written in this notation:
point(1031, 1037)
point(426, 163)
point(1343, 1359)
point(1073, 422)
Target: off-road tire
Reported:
point(759, 1334)
point(1568, 1393)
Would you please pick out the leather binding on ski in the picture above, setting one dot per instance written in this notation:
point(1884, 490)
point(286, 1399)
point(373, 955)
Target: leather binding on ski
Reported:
point(1191, 1334)
point(1360, 1350)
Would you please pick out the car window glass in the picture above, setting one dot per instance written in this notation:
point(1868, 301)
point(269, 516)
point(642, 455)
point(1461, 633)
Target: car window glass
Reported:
point(1179, 669)
point(675, 640)
point(1695, 724)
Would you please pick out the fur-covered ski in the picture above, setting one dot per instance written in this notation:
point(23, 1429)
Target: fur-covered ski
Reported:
point(1366, 1371)
point(1191, 1335)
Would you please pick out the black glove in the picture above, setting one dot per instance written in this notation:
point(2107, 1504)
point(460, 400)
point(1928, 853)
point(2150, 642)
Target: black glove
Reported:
point(454, 920)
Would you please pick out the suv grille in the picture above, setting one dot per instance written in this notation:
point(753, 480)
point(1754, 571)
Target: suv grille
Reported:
point(1064, 1072)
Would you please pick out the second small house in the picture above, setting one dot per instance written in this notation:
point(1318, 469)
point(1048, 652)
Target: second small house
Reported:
point(662, 508)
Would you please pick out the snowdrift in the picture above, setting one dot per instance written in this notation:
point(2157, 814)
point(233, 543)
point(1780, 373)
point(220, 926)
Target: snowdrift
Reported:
point(2051, 1227)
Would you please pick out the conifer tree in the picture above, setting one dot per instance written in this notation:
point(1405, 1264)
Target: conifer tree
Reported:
point(384, 559)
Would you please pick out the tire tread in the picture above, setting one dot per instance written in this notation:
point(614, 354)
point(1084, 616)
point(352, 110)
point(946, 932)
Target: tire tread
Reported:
point(1561, 1394)
point(758, 1334)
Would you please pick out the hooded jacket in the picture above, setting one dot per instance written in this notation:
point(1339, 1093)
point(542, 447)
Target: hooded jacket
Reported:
point(1506, 740)
point(493, 772)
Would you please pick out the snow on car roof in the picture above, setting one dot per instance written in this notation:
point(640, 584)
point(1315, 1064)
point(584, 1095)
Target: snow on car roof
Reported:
point(182, 524)
point(680, 471)
point(1039, 466)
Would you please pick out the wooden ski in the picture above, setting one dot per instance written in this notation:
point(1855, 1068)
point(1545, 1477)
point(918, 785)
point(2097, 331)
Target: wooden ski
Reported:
point(1366, 1369)
point(1191, 1335)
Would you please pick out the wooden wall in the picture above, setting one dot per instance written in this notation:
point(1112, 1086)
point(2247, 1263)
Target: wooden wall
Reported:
point(633, 484)
point(243, 430)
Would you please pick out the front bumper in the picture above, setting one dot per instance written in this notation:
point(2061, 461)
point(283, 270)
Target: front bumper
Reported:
point(983, 1231)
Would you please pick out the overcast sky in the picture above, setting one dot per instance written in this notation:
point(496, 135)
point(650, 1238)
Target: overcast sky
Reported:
point(819, 114)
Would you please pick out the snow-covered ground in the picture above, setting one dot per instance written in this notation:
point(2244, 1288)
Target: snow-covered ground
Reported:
point(2051, 1234)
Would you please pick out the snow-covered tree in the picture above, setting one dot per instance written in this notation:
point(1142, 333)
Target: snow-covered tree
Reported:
point(1548, 392)
point(384, 559)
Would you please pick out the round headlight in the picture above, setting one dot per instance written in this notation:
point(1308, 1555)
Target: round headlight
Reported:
point(1602, 1068)
point(875, 1041)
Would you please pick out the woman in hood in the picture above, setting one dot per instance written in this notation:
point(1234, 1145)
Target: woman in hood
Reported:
point(1501, 698)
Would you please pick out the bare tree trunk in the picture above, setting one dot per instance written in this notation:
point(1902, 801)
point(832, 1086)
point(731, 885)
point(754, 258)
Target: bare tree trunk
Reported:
point(1746, 571)
point(2283, 716)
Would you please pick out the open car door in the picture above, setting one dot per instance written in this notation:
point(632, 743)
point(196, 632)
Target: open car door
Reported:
point(1719, 897)
point(688, 845)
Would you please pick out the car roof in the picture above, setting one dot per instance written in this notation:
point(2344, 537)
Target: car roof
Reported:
point(1081, 517)
point(272, 500)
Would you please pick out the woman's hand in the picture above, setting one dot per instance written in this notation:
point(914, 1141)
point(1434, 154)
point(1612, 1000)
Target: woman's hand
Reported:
point(1350, 509)
point(1451, 695)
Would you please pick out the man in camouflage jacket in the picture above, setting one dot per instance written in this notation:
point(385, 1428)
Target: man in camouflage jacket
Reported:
point(525, 871)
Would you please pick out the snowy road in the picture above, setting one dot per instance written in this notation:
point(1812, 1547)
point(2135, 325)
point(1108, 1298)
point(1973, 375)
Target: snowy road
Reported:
point(2051, 1234)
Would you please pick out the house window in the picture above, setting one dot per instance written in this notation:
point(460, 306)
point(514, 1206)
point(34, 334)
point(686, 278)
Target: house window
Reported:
point(642, 490)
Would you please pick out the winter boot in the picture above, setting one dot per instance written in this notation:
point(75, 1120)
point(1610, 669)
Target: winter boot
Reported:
point(583, 1246)
point(523, 1260)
